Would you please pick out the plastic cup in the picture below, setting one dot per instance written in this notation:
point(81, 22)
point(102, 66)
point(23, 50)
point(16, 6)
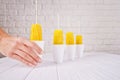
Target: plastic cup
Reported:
point(41, 45)
point(58, 53)
point(70, 51)
point(80, 50)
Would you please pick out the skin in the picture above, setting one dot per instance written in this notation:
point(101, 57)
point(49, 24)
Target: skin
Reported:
point(20, 49)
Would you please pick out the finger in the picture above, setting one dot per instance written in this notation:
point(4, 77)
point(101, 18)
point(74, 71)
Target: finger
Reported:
point(37, 48)
point(31, 44)
point(26, 57)
point(30, 52)
point(17, 57)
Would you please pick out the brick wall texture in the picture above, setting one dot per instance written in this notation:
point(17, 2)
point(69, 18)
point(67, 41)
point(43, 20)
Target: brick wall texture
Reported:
point(97, 20)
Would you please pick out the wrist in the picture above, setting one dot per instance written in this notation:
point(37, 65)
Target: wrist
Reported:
point(4, 36)
point(0, 38)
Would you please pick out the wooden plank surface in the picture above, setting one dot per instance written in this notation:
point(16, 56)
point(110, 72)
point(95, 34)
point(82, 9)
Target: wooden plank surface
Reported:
point(91, 67)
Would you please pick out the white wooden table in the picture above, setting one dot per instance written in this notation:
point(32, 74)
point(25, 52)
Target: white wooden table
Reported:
point(91, 67)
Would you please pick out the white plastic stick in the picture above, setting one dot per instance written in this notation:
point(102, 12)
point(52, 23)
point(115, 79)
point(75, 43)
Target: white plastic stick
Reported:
point(58, 20)
point(36, 11)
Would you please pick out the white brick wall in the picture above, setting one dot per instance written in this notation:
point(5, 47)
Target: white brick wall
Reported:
point(97, 20)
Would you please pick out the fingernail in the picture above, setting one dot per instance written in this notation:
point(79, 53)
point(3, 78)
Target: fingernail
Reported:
point(35, 63)
point(42, 52)
point(31, 65)
point(38, 59)
point(40, 56)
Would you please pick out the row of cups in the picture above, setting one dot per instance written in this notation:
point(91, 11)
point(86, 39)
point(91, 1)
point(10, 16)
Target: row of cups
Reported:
point(71, 51)
point(59, 51)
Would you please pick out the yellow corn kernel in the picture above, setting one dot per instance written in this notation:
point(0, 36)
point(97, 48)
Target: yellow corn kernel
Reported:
point(36, 32)
point(79, 39)
point(69, 38)
point(58, 37)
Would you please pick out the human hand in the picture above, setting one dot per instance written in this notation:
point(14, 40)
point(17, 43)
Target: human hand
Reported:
point(20, 49)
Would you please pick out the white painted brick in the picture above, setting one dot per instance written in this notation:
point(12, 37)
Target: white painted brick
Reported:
point(112, 42)
point(106, 36)
point(105, 24)
point(16, 30)
point(27, 30)
point(55, 7)
point(1, 18)
point(2, 12)
point(2, 6)
point(100, 18)
point(89, 36)
point(19, 18)
point(21, 12)
point(27, 2)
point(93, 42)
point(103, 30)
point(22, 24)
point(45, 1)
point(88, 48)
point(9, 18)
point(30, 18)
point(112, 47)
point(47, 12)
point(32, 6)
point(1, 24)
point(51, 21)
point(66, 1)
point(15, 18)
point(69, 20)
point(8, 24)
point(8, 1)
point(89, 1)
point(11, 12)
point(88, 30)
point(98, 7)
point(22, 35)
point(115, 52)
point(97, 36)
point(15, 7)
point(69, 7)
point(42, 20)
point(111, 2)
point(51, 32)
point(30, 12)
